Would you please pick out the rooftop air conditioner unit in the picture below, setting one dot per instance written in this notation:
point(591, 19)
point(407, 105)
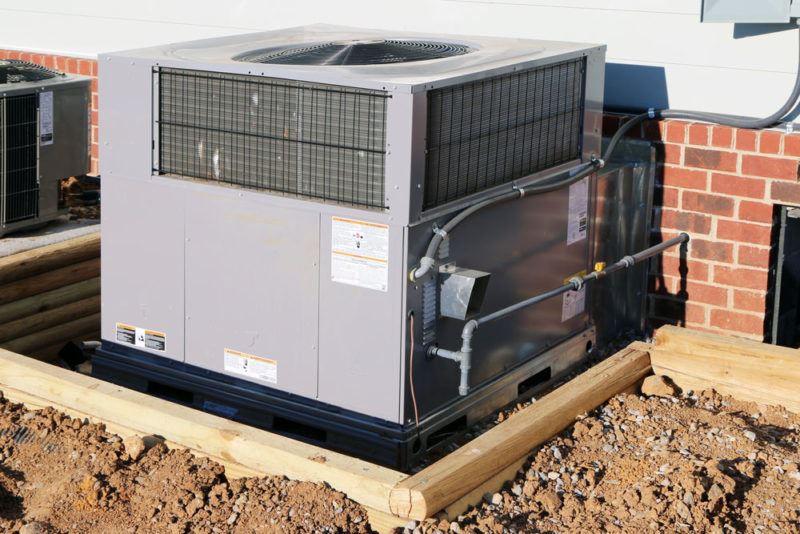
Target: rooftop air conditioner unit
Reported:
point(267, 195)
point(44, 137)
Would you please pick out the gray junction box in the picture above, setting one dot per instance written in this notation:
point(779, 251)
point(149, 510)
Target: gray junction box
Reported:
point(267, 195)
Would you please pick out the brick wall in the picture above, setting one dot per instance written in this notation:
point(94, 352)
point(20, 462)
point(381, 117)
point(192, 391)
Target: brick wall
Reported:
point(70, 65)
point(722, 186)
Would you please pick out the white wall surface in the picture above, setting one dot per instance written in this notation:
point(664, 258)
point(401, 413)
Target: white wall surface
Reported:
point(662, 54)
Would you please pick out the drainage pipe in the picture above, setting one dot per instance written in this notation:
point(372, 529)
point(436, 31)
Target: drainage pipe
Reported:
point(463, 356)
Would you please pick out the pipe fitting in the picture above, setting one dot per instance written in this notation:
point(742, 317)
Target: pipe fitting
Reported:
point(425, 265)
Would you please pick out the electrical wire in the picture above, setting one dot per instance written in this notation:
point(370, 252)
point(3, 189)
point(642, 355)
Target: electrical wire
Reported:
point(411, 371)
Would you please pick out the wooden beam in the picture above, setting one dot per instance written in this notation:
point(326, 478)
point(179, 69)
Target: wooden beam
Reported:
point(50, 318)
point(742, 368)
point(43, 259)
point(49, 300)
point(40, 283)
point(456, 475)
point(60, 333)
point(232, 442)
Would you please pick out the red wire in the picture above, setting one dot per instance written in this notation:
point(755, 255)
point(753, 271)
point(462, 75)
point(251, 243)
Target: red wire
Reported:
point(411, 372)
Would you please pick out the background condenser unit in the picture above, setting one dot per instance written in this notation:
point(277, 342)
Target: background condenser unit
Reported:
point(44, 137)
point(268, 195)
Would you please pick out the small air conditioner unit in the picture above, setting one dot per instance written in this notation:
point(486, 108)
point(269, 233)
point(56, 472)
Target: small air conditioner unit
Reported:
point(267, 195)
point(44, 137)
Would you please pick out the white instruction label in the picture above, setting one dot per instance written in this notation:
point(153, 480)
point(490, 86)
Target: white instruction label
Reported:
point(578, 219)
point(141, 337)
point(574, 303)
point(46, 118)
point(251, 366)
point(360, 253)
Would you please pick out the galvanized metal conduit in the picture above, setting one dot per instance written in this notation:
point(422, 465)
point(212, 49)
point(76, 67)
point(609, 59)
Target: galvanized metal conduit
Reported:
point(464, 355)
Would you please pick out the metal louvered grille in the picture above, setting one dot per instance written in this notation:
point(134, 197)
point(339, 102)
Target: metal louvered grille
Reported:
point(19, 158)
point(490, 132)
point(306, 139)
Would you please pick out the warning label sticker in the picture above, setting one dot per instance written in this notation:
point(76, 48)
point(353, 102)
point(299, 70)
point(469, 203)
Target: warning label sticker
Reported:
point(578, 218)
point(141, 337)
point(360, 253)
point(251, 366)
point(46, 118)
point(574, 304)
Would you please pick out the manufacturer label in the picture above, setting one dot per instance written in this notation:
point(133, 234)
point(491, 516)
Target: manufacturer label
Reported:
point(578, 218)
point(574, 303)
point(251, 366)
point(46, 118)
point(141, 337)
point(360, 253)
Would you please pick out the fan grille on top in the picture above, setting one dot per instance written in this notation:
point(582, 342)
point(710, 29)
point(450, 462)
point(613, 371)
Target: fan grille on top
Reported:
point(357, 52)
point(16, 71)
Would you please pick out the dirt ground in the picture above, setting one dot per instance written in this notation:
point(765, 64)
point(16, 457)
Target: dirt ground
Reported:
point(684, 463)
point(60, 475)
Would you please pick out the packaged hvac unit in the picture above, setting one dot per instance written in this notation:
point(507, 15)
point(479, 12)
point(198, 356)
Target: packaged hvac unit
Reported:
point(44, 137)
point(267, 196)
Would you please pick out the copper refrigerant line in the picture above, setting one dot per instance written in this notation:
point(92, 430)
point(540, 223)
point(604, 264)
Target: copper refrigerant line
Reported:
point(463, 356)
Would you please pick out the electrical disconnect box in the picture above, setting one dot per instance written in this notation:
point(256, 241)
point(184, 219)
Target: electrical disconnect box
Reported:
point(750, 11)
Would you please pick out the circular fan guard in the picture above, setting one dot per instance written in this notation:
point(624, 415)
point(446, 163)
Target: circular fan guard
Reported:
point(357, 52)
point(17, 71)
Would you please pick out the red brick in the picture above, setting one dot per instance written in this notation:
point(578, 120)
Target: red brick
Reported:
point(678, 310)
point(738, 322)
point(785, 192)
point(781, 168)
point(698, 134)
point(746, 140)
point(704, 249)
point(695, 270)
point(684, 178)
point(685, 221)
point(673, 154)
point(707, 294)
point(749, 301)
point(770, 142)
point(676, 132)
point(744, 232)
point(94, 67)
point(729, 184)
point(716, 160)
point(705, 203)
point(741, 277)
point(753, 256)
point(722, 137)
point(755, 211)
point(670, 197)
point(791, 145)
point(71, 66)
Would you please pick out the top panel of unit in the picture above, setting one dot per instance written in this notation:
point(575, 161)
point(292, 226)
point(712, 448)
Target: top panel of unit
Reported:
point(18, 76)
point(374, 59)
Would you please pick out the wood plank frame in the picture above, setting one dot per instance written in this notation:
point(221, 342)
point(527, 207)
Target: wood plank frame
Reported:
point(741, 368)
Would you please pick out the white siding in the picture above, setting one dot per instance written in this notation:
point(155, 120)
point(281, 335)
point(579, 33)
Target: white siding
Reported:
point(664, 54)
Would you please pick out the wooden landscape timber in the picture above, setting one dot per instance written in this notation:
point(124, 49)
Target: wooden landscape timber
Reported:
point(50, 295)
point(694, 361)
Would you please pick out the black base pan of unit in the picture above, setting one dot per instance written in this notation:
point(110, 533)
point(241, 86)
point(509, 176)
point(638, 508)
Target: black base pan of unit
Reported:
point(375, 440)
point(260, 406)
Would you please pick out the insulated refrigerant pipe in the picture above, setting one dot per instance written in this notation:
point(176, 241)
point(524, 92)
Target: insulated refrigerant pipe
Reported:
point(463, 356)
point(581, 171)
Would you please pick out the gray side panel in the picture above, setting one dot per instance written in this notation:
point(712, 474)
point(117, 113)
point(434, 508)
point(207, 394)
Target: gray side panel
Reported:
point(142, 269)
point(68, 155)
point(523, 244)
point(251, 285)
point(359, 335)
point(142, 240)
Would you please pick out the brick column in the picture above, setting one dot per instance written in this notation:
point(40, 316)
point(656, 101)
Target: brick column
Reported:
point(722, 186)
